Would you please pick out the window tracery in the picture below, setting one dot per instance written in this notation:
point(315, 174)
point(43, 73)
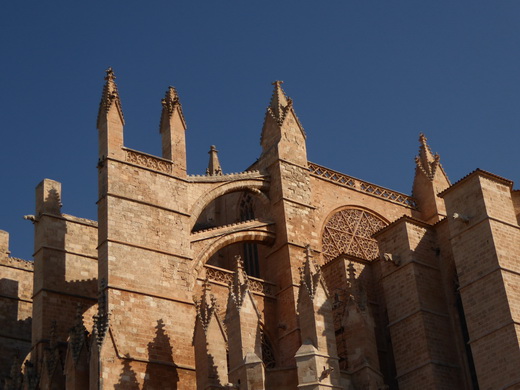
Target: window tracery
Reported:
point(349, 232)
point(267, 351)
point(247, 213)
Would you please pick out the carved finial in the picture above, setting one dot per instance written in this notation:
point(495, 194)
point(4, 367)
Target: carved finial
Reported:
point(109, 97)
point(426, 161)
point(78, 333)
point(240, 284)
point(171, 99)
point(310, 274)
point(52, 354)
point(206, 306)
point(101, 319)
point(214, 168)
point(170, 104)
point(279, 104)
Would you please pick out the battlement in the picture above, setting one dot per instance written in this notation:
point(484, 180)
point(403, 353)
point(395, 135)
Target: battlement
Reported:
point(17, 263)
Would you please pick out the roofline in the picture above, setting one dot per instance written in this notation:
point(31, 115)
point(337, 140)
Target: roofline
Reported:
point(477, 172)
point(404, 218)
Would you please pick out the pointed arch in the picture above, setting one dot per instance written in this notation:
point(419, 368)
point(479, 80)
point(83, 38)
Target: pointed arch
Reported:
point(256, 187)
point(264, 236)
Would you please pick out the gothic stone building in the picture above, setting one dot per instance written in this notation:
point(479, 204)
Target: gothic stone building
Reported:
point(288, 275)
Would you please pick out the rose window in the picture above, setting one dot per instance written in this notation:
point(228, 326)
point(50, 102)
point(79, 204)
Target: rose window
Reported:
point(350, 232)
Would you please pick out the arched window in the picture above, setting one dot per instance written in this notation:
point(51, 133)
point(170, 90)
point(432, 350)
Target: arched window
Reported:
point(247, 212)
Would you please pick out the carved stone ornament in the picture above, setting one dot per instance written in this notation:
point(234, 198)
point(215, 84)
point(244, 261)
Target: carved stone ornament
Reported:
point(349, 232)
point(391, 257)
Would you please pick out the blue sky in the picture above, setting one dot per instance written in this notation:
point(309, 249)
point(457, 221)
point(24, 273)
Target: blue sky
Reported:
point(366, 78)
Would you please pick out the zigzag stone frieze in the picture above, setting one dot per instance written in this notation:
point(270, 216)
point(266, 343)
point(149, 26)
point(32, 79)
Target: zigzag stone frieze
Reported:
point(360, 185)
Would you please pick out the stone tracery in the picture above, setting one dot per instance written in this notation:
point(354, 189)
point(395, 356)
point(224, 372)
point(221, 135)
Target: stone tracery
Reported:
point(349, 232)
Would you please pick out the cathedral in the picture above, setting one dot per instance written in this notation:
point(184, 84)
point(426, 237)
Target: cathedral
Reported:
point(286, 276)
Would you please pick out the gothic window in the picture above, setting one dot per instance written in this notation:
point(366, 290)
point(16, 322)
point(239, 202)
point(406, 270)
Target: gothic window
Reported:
point(247, 213)
point(267, 351)
point(349, 232)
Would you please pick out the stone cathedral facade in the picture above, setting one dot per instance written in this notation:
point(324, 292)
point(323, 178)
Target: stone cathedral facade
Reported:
point(288, 275)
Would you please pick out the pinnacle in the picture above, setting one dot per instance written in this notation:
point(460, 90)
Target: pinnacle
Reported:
point(214, 168)
point(240, 284)
point(309, 274)
point(426, 161)
point(279, 108)
point(170, 99)
point(109, 96)
point(110, 74)
point(170, 104)
point(425, 152)
point(279, 99)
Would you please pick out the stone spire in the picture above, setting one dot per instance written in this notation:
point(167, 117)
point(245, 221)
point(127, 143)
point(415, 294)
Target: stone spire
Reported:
point(430, 179)
point(173, 128)
point(244, 334)
point(206, 307)
point(170, 104)
point(210, 342)
point(310, 275)
point(240, 285)
point(316, 359)
point(214, 168)
point(282, 132)
point(109, 97)
point(279, 102)
point(426, 161)
point(110, 121)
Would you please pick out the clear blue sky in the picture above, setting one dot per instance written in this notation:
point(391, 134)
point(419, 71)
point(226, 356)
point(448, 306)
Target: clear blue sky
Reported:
point(365, 76)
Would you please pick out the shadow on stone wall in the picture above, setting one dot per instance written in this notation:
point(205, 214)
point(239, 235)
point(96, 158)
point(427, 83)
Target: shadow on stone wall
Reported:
point(15, 334)
point(161, 371)
point(128, 377)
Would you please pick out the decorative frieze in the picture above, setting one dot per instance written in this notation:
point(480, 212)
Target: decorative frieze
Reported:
point(360, 185)
point(256, 285)
point(148, 161)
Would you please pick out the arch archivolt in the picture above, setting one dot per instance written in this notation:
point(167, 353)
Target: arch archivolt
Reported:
point(348, 230)
point(207, 248)
point(256, 187)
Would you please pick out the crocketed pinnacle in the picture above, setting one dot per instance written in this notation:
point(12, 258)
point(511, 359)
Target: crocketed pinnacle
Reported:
point(280, 103)
point(109, 97)
point(77, 333)
point(214, 168)
point(206, 306)
point(240, 284)
point(426, 161)
point(170, 103)
point(52, 355)
point(309, 274)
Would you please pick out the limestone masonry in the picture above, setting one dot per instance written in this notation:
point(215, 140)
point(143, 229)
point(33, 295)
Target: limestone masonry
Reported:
point(286, 276)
